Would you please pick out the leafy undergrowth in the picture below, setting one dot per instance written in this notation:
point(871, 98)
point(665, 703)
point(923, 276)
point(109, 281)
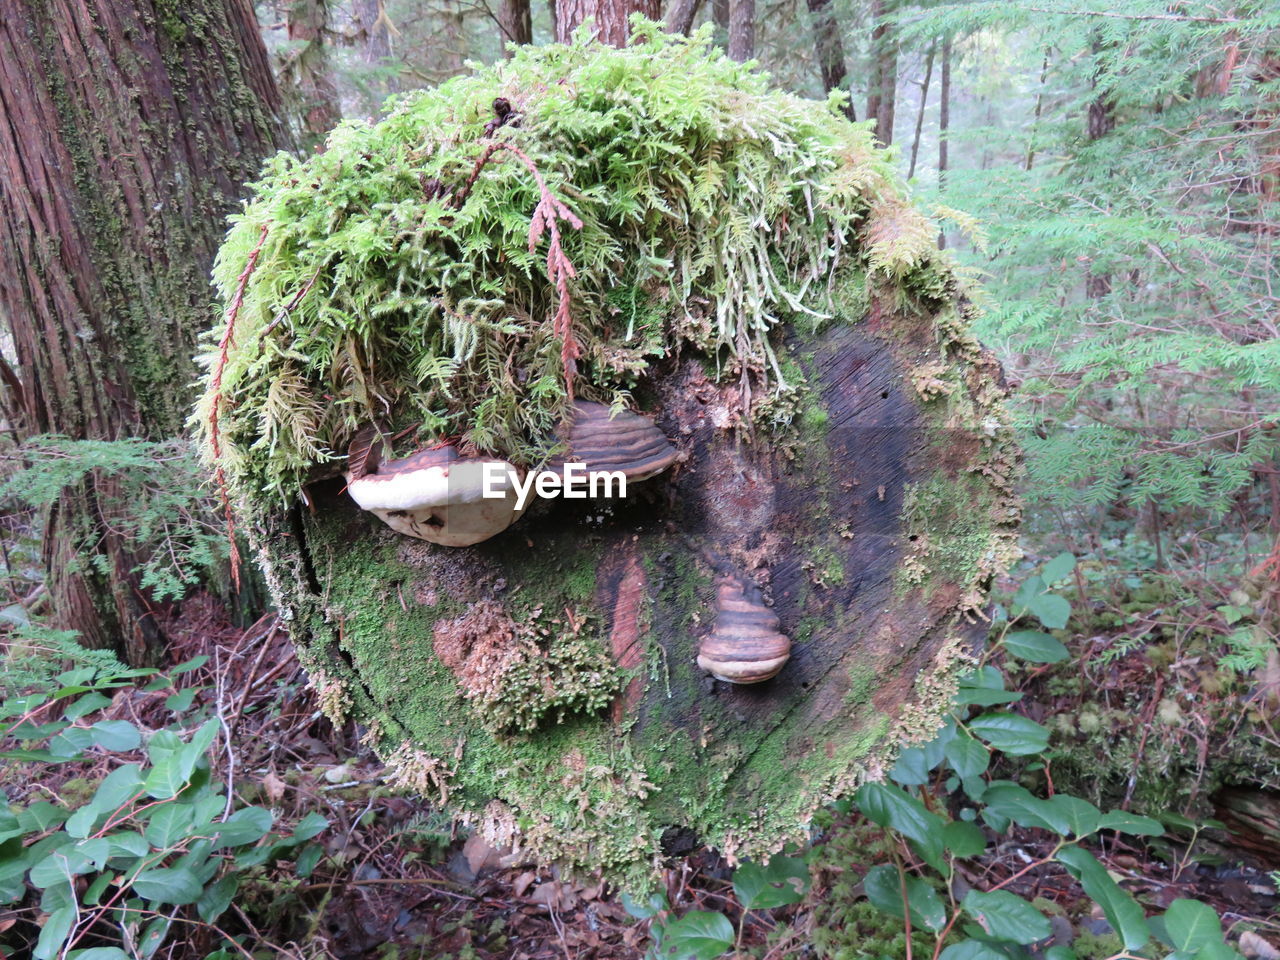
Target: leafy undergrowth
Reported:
point(391, 876)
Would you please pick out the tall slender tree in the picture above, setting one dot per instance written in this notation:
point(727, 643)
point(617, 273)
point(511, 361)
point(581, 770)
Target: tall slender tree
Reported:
point(126, 130)
point(830, 47)
point(515, 21)
point(307, 70)
point(742, 30)
point(882, 92)
point(609, 18)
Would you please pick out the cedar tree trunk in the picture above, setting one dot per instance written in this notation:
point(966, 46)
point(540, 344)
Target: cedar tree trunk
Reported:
point(830, 48)
point(307, 69)
point(608, 16)
point(126, 130)
point(515, 21)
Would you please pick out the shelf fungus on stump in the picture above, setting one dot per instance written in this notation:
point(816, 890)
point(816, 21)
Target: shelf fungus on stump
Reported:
point(439, 495)
point(745, 645)
point(606, 440)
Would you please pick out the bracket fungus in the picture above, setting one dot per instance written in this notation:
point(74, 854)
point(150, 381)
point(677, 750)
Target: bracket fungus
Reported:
point(607, 440)
point(745, 645)
point(439, 495)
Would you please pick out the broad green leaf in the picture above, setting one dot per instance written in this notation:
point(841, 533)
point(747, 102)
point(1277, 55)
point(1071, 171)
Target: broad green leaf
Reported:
point(984, 688)
point(885, 886)
point(128, 843)
point(1192, 925)
point(118, 787)
point(1123, 822)
point(1120, 909)
point(85, 705)
point(309, 826)
point(71, 742)
point(971, 950)
point(785, 880)
point(1011, 733)
point(168, 885)
point(643, 911)
point(307, 859)
point(247, 825)
point(98, 953)
point(1016, 802)
point(1030, 588)
point(41, 816)
point(1036, 646)
point(963, 840)
point(9, 826)
point(168, 824)
point(1080, 816)
point(118, 736)
point(153, 936)
point(93, 895)
point(180, 701)
point(912, 768)
point(196, 663)
point(96, 850)
point(1007, 916)
point(59, 867)
point(890, 806)
point(169, 776)
point(967, 756)
point(1059, 952)
point(1051, 610)
point(217, 897)
point(699, 935)
point(54, 933)
point(1058, 568)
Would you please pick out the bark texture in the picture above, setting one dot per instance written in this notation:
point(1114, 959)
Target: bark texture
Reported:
point(126, 130)
point(515, 21)
point(307, 69)
point(882, 94)
point(830, 49)
point(681, 14)
point(609, 18)
point(742, 30)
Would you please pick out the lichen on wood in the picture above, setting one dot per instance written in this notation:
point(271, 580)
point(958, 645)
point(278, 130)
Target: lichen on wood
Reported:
point(748, 272)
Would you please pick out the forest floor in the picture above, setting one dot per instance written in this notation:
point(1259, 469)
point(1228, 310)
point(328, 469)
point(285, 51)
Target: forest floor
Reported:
point(401, 879)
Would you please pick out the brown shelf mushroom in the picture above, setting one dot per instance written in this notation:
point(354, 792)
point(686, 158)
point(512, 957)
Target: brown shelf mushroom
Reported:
point(625, 442)
point(745, 645)
point(438, 495)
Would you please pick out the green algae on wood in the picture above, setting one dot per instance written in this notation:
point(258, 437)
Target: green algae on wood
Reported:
point(751, 275)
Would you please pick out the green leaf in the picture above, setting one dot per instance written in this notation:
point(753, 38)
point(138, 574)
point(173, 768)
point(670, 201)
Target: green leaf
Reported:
point(1051, 610)
point(54, 933)
point(885, 886)
point(1192, 925)
point(1006, 916)
point(1080, 816)
point(1120, 909)
point(1036, 646)
point(128, 843)
point(41, 816)
point(98, 953)
point(118, 787)
point(9, 825)
point(971, 950)
point(699, 935)
point(168, 824)
point(785, 880)
point(963, 839)
point(96, 850)
point(168, 885)
point(196, 663)
point(169, 776)
point(93, 894)
point(247, 825)
point(1011, 733)
point(984, 688)
point(217, 897)
point(890, 806)
point(967, 756)
point(1059, 952)
point(116, 735)
point(71, 742)
point(59, 867)
point(86, 704)
point(180, 701)
point(1017, 804)
point(307, 859)
point(1123, 822)
point(309, 826)
point(1058, 568)
point(656, 903)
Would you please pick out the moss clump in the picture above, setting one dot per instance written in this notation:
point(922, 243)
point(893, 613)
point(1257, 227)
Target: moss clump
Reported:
point(712, 210)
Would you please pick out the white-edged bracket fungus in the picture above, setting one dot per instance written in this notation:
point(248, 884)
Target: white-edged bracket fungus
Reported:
point(745, 645)
point(625, 442)
point(438, 495)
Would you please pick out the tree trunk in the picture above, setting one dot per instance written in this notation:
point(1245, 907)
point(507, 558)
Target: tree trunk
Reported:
point(830, 47)
point(307, 70)
point(883, 91)
point(372, 16)
point(924, 100)
point(944, 126)
point(515, 21)
point(126, 130)
point(609, 18)
point(1100, 121)
point(742, 30)
point(681, 15)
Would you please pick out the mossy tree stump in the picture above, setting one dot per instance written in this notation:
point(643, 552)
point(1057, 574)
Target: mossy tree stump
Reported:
point(843, 451)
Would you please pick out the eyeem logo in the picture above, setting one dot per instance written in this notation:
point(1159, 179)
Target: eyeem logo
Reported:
point(573, 482)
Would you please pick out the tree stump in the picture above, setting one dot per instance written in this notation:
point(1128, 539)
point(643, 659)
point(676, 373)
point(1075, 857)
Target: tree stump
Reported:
point(543, 683)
